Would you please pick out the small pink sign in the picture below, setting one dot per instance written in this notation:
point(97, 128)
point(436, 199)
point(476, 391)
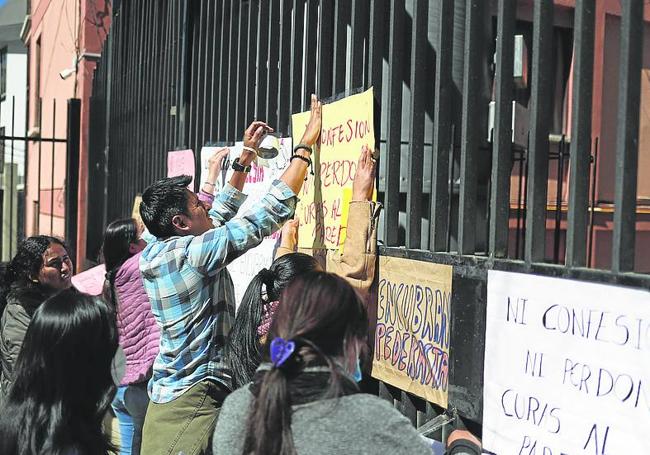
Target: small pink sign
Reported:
point(181, 162)
point(91, 281)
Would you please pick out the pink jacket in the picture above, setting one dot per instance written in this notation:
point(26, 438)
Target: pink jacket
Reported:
point(138, 332)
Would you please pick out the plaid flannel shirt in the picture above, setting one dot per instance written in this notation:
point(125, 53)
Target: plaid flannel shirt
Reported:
point(191, 293)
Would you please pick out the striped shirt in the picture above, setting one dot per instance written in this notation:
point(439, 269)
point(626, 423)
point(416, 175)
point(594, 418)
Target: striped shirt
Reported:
point(191, 293)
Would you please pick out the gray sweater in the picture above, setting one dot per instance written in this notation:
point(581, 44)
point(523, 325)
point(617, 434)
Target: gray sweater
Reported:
point(354, 424)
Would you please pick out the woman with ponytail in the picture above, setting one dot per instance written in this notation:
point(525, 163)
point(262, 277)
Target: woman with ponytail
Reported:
point(138, 333)
point(304, 397)
point(243, 348)
point(40, 268)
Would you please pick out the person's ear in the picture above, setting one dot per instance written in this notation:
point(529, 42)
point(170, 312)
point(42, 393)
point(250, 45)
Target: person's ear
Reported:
point(180, 223)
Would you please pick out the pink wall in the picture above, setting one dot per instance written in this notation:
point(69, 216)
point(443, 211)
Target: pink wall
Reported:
point(56, 23)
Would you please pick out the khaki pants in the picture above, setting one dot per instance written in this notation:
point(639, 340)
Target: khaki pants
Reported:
point(185, 424)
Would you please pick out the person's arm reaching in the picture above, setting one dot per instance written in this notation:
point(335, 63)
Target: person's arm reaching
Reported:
point(357, 261)
point(215, 165)
point(252, 137)
point(289, 238)
point(294, 175)
point(217, 247)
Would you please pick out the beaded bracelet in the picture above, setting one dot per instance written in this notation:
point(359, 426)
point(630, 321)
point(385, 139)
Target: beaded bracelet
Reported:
point(306, 160)
point(304, 147)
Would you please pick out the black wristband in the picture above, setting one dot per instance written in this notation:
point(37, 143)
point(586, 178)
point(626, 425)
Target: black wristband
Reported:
point(466, 444)
point(306, 160)
point(304, 147)
point(240, 167)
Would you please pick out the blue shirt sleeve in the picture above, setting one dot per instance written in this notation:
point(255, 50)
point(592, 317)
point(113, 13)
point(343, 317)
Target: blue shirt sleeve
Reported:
point(226, 205)
point(215, 249)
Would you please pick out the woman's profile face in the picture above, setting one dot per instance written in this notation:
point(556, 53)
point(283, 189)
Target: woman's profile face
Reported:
point(56, 271)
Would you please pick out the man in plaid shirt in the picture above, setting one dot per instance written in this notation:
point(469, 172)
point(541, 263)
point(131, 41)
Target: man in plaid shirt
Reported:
point(191, 293)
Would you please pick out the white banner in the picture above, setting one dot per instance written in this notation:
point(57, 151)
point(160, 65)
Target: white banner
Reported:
point(567, 367)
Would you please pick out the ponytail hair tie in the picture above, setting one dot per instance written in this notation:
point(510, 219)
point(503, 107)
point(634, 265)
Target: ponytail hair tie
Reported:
point(267, 277)
point(281, 351)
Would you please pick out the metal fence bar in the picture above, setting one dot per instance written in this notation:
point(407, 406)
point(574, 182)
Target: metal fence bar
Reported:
point(274, 54)
point(12, 187)
point(231, 134)
point(416, 137)
point(224, 56)
point(207, 78)
point(251, 61)
point(262, 60)
point(540, 127)
point(285, 69)
point(394, 123)
point(324, 79)
point(627, 140)
point(470, 129)
point(311, 52)
point(502, 134)
point(341, 14)
point(440, 175)
point(37, 228)
point(185, 43)
point(242, 82)
point(296, 57)
point(576, 254)
point(358, 42)
point(72, 171)
point(376, 47)
point(197, 99)
point(52, 168)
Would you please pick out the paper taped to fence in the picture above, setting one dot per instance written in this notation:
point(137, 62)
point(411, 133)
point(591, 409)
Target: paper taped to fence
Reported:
point(413, 327)
point(181, 162)
point(567, 367)
point(347, 126)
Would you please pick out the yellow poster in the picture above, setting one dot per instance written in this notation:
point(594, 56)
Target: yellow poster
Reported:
point(347, 126)
point(413, 327)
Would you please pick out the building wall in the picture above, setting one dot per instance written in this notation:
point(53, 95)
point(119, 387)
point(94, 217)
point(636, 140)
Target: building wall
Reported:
point(63, 37)
point(14, 124)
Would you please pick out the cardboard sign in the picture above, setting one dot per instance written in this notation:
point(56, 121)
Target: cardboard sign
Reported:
point(91, 281)
point(567, 367)
point(413, 327)
point(181, 162)
point(258, 181)
point(347, 125)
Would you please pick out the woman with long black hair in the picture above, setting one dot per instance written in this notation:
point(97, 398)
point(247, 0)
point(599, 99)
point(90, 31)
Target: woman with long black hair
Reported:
point(40, 268)
point(139, 334)
point(63, 385)
point(304, 398)
point(243, 349)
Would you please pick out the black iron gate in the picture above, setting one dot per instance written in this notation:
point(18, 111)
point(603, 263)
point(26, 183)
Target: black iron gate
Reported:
point(179, 74)
point(15, 180)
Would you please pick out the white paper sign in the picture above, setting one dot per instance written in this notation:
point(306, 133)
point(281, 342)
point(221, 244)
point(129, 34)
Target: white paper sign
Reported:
point(567, 367)
point(258, 181)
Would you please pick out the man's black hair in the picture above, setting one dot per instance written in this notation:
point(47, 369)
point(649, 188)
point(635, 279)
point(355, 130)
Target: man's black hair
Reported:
point(161, 202)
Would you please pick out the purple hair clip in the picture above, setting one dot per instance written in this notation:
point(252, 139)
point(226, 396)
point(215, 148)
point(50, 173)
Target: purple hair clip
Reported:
point(281, 350)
